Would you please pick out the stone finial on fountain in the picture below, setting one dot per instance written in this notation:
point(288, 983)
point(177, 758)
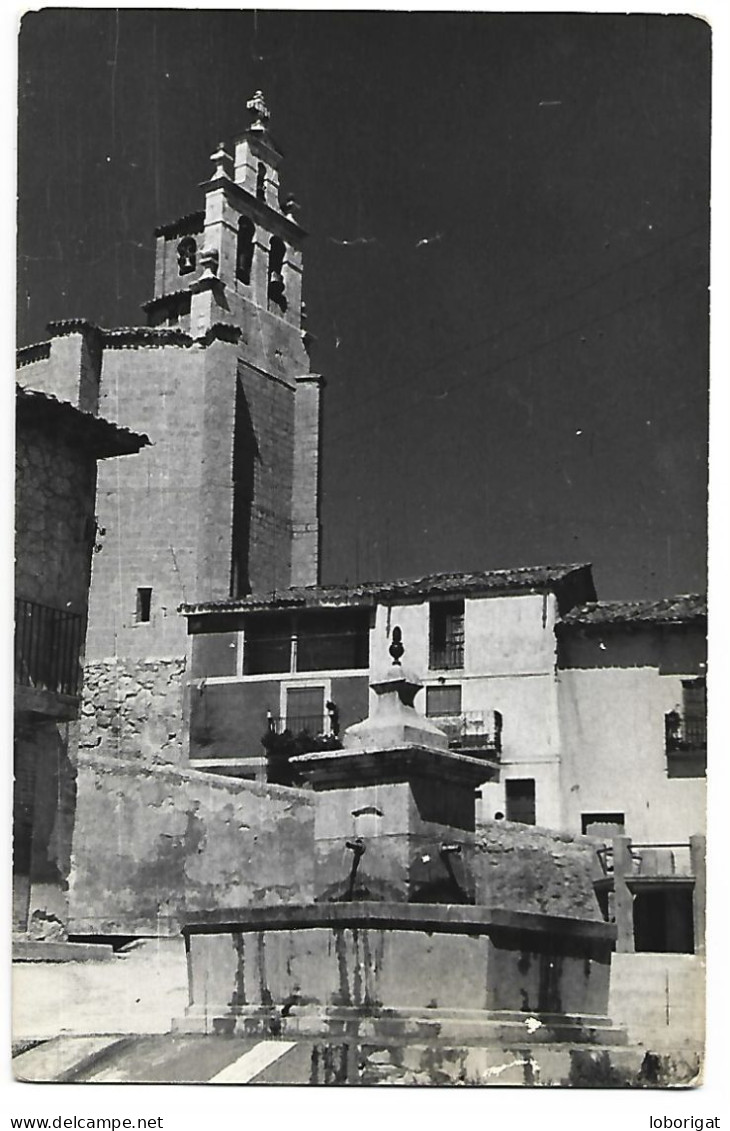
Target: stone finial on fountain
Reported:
point(397, 648)
point(394, 722)
point(396, 741)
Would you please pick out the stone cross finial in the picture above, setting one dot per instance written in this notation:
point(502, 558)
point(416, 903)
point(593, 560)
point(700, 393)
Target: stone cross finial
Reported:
point(260, 111)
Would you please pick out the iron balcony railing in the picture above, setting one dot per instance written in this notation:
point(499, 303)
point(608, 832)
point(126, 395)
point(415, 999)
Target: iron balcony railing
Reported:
point(684, 735)
point(446, 657)
point(315, 726)
point(472, 730)
point(669, 859)
point(47, 647)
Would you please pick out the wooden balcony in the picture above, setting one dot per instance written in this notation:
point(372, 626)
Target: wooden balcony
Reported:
point(47, 659)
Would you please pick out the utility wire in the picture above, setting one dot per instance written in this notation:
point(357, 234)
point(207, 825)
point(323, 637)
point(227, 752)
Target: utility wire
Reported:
point(543, 308)
point(417, 399)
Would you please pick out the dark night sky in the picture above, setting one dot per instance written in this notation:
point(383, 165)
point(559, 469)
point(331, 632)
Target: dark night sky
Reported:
point(506, 274)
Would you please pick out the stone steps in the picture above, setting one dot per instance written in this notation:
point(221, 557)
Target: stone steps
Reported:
point(36, 950)
point(547, 1065)
point(467, 1027)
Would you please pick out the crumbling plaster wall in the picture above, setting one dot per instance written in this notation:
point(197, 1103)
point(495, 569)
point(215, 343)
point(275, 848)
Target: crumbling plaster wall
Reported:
point(153, 841)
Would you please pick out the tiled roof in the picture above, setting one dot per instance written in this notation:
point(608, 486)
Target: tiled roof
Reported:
point(129, 337)
point(64, 326)
point(126, 336)
point(171, 297)
point(38, 351)
point(189, 224)
point(99, 436)
point(688, 608)
point(527, 578)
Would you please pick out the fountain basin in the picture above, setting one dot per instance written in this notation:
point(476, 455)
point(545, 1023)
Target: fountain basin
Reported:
point(469, 973)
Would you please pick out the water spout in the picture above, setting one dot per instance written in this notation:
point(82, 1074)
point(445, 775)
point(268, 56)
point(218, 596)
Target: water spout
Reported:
point(357, 847)
point(447, 852)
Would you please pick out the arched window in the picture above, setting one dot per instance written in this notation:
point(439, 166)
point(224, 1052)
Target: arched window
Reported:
point(244, 249)
point(261, 182)
point(186, 255)
point(276, 288)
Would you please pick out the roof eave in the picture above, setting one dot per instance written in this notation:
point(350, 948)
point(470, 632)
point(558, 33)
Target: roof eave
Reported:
point(524, 580)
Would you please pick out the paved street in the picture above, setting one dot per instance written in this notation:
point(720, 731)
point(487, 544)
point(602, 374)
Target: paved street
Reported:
point(166, 1059)
point(140, 990)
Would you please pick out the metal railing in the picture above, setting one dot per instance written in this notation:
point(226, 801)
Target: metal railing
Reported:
point(313, 725)
point(47, 647)
point(684, 734)
point(472, 730)
point(668, 859)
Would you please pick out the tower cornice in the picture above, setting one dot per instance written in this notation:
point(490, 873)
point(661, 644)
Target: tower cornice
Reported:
point(268, 216)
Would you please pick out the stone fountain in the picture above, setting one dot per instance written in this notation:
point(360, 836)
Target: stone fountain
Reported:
point(401, 957)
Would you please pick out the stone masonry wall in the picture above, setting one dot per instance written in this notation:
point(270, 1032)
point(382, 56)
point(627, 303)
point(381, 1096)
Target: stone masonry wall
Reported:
point(270, 405)
point(55, 484)
point(148, 505)
point(305, 490)
point(153, 841)
point(213, 562)
point(525, 868)
point(150, 510)
point(133, 709)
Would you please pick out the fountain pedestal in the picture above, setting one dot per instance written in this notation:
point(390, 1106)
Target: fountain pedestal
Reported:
point(395, 815)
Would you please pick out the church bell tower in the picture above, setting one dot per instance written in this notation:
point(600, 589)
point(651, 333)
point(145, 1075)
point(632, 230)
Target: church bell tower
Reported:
point(236, 269)
point(225, 500)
